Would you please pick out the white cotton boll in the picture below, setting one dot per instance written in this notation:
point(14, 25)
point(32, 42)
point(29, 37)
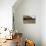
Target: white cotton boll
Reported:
point(16, 31)
point(33, 16)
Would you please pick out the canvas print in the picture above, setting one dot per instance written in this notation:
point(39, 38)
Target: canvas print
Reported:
point(28, 20)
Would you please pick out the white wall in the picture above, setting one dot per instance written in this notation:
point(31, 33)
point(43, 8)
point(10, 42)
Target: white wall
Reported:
point(6, 13)
point(43, 22)
point(31, 31)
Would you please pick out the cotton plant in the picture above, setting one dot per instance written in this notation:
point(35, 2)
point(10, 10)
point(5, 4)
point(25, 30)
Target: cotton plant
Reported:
point(8, 34)
point(1, 29)
point(2, 35)
point(2, 32)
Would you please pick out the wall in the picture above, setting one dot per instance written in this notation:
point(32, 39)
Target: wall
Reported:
point(30, 31)
point(6, 13)
point(43, 22)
